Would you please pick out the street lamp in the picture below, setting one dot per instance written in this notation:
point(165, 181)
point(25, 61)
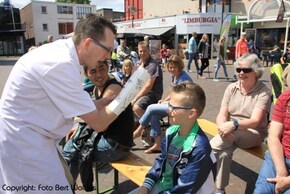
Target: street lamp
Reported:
point(132, 10)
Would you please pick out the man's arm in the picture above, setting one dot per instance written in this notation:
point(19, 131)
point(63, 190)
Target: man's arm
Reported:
point(108, 117)
point(145, 89)
point(276, 149)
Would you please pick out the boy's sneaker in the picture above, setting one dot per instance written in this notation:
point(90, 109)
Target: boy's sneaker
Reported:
point(218, 191)
point(216, 80)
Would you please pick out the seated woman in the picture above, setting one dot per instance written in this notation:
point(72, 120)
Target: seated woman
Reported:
point(155, 112)
point(243, 117)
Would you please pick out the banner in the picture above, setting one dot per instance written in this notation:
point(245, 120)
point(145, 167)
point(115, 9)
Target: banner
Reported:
point(225, 29)
point(281, 12)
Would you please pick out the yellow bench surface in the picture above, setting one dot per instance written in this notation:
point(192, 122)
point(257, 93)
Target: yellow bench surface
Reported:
point(211, 129)
point(133, 167)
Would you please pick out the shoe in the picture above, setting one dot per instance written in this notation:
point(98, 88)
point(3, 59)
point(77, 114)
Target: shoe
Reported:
point(201, 77)
point(189, 71)
point(219, 191)
point(216, 80)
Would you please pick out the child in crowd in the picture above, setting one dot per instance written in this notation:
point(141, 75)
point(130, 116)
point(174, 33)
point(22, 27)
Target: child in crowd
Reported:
point(187, 161)
point(127, 71)
point(164, 53)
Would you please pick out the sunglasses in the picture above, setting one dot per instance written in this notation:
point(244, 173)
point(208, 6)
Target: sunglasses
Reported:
point(245, 70)
point(103, 46)
point(172, 108)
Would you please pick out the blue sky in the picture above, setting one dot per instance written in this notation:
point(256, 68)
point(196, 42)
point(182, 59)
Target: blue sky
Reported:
point(116, 5)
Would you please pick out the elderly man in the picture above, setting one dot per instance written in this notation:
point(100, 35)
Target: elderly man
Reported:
point(41, 97)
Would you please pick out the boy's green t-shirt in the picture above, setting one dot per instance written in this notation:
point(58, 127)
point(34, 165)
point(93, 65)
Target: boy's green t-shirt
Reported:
point(174, 150)
point(177, 145)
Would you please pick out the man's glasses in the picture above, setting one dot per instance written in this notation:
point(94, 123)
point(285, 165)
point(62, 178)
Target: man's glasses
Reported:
point(103, 46)
point(172, 108)
point(245, 70)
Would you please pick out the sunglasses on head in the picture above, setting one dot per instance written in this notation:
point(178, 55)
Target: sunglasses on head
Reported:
point(245, 70)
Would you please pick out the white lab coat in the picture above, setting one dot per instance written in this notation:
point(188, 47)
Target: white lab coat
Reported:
point(41, 96)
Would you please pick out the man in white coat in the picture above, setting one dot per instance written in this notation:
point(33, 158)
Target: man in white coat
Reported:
point(41, 97)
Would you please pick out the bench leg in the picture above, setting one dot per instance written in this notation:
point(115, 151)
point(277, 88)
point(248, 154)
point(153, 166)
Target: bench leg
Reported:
point(116, 180)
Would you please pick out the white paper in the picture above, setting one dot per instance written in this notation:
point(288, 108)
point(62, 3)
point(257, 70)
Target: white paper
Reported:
point(130, 90)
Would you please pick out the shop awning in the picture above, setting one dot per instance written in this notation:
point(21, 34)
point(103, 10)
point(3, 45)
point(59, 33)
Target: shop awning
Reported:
point(145, 31)
point(156, 31)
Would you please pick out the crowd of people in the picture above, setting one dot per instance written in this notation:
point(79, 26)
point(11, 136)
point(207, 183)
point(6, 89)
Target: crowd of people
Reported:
point(43, 95)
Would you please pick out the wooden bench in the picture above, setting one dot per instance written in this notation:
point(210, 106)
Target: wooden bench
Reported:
point(211, 129)
point(133, 167)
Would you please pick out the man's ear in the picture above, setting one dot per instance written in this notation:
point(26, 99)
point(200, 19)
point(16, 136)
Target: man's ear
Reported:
point(87, 43)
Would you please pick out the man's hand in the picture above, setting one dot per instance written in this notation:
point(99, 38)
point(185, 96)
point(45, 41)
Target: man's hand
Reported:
point(282, 183)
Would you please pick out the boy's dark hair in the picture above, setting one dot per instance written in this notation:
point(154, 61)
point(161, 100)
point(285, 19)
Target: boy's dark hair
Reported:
point(92, 26)
point(196, 95)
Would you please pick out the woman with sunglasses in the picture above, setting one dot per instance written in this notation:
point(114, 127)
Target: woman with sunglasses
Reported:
point(243, 117)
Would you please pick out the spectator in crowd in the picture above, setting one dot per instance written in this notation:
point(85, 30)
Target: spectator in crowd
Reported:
point(42, 96)
point(192, 53)
point(153, 89)
point(187, 162)
point(275, 54)
point(220, 61)
point(146, 39)
point(241, 46)
point(127, 71)
point(155, 112)
point(279, 78)
point(164, 53)
point(243, 117)
point(203, 51)
point(110, 145)
point(122, 51)
point(274, 174)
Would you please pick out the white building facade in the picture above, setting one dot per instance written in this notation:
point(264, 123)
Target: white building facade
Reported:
point(42, 19)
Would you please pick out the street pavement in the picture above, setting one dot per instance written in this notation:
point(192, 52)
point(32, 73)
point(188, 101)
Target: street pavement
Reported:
point(245, 167)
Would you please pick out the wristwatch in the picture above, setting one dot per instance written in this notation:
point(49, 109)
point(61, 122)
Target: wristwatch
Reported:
point(236, 123)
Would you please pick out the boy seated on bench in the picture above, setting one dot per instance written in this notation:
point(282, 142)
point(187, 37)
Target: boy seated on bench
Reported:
point(87, 145)
point(187, 162)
